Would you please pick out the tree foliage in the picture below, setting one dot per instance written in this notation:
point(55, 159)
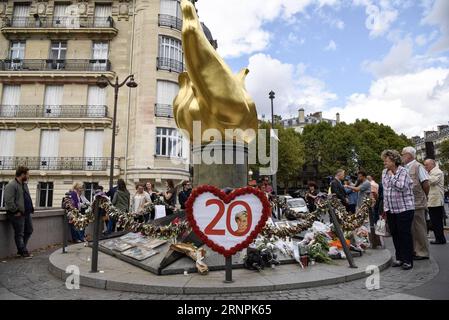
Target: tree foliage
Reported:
point(444, 155)
point(350, 146)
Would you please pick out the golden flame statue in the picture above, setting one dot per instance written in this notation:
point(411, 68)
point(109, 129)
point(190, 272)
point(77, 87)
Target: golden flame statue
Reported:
point(209, 91)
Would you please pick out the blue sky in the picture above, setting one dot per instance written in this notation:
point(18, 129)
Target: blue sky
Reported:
point(376, 59)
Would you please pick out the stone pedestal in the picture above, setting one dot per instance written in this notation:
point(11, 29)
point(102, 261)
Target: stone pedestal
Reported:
point(230, 168)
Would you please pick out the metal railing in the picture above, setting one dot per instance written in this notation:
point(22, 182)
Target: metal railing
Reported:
point(58, 22)
point(55, 65)
point(170, 65)
point(166, 20)
point(55, 163)
point(56, 111)
point(163, 110)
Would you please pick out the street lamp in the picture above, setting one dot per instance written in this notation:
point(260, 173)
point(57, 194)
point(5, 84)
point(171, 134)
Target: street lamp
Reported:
point(103, 82)
point(271, 96)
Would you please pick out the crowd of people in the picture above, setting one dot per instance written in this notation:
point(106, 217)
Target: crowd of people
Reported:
point(138, 203)
point(409, 196)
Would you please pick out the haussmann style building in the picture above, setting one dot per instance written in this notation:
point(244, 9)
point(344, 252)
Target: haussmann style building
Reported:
point(56, 120)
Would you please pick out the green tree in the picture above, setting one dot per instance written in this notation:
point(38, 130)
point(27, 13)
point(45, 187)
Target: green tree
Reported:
point(444, 156)
point(350, 146)
point(290, 156)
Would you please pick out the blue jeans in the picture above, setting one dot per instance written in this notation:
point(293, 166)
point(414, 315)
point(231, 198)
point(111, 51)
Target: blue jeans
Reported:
point(111, 225)
point(77, 235)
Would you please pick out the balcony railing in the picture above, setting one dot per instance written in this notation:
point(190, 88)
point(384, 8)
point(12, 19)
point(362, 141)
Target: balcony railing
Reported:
point(55, 65)
point(166, 20)
point(170, 65)
point(58, 22)
point(56, 111)
point(55, 163)
point(163, 110)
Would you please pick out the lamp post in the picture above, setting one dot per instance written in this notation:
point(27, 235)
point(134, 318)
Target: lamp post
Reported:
point(103, 82)
point(271, 95)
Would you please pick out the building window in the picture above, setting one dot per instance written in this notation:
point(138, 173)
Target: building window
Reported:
point(93, 150)
point(103, 15)
point(58, 53)
point(7, 148)
point(17, 54)
point(100, 53)
point(171, 8)
point(20, 14)
point(45, 194)
point(169, 143)
point(166, 94)
point(10, 100)
point(53, 100)
point(89, 190)
point(49, 149)
point(2, 193)
point(170, 54)
point(96, 98)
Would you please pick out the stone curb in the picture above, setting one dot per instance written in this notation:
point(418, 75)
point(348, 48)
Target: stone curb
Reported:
point(320, 275)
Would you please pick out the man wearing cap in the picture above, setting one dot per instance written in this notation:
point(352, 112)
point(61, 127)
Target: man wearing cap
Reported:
point(421, 189)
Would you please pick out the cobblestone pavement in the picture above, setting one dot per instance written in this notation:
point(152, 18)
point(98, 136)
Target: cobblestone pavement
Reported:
point(30, 279)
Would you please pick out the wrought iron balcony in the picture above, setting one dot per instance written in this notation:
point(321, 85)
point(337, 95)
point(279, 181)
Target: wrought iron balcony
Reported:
point(166, 20)
point(95, 65)
point(57, 111)
point(55, 163)
point(170, 65)
point(58, 22)
point(163, 110)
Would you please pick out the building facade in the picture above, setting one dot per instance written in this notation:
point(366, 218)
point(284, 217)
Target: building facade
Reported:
point(436, 137)
point(58, 122)
point(299, 123)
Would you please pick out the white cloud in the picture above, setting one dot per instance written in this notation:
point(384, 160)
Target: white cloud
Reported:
point(380, 15)
point(400, 59)
point(332, 46)
point(438, 15)
point(410, 103)
point(238, 25)
point(292, 85)
point(421, 40)
point(397, 61)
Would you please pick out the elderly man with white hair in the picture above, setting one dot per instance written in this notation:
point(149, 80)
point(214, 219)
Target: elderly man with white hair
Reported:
point(421, 189)
point(436, 200)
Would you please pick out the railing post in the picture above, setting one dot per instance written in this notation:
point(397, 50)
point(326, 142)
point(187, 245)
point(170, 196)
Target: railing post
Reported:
point(96, 237)
point(64, 232)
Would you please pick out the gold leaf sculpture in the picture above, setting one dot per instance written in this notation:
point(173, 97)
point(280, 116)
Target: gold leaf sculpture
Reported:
point(209, 91)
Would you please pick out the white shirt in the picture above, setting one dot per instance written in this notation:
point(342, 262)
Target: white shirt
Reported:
point(139, 201)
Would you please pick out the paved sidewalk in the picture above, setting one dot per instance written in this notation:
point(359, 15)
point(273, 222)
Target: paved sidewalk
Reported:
point(30, 279)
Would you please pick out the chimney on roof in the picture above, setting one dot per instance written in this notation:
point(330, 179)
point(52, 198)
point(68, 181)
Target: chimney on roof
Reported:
point(301, 117)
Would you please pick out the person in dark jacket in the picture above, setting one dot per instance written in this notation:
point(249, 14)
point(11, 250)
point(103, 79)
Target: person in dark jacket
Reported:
point(79, 202)
point(185, 193)
point(336, 187)
point(121, 201)
point(19, 207)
